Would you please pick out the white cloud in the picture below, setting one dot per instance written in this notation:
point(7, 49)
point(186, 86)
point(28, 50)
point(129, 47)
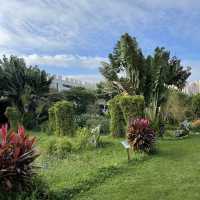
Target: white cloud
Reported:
point(65, 61)
point(63, 25)
point(61, 28)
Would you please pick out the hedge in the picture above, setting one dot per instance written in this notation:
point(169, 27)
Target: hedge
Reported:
point(132, 106)
point(61, 118)
point(121, 109)
point(117, 123)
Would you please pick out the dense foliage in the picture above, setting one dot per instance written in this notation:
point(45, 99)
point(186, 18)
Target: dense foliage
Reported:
point(88, 138)
point(16, 156)
point(176, 108)
point(140, 136)
point(24, 86)
point(59, 147)
point(121, 109)
point(129, 71)
point(14, 117)
point(61, 118)
point(81, 98)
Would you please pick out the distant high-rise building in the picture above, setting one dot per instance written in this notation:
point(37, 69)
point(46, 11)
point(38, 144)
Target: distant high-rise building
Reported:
point(192, 88)
point(61, 83)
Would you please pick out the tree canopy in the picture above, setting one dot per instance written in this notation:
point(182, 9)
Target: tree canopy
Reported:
point(129, 71)
point(24, 86)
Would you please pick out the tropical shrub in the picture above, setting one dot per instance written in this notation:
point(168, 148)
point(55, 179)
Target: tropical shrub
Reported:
point(61, 118)
point(122, 108)
point(59, 147)
point(17, 154)
point(132, 106)
point(26, 87)
point(97, 120)
point(88, 138)
point(14, 117)
point(140, 136)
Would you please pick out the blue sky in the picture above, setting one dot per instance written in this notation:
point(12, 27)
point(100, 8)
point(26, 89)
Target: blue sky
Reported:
point(72, 37)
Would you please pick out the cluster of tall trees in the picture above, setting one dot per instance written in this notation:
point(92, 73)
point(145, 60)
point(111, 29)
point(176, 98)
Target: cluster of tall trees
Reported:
point(129, 71)
point(27, 88)
point(24, 87)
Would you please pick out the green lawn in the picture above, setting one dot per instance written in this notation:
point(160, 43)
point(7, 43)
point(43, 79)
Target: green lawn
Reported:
point(104, 173)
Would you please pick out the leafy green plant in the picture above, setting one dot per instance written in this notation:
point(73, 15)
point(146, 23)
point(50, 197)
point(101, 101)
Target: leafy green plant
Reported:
point(121, 109)
point(87, 138)
point(140, 136)
point(61, 118)
point(102, 121)
point(14, 117)
point(83, 138)
point(132, 106)
point(59, 147)
point(17, 153)
point(25, 87)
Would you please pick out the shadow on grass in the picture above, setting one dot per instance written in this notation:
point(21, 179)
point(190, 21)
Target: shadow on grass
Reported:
point(101, 176)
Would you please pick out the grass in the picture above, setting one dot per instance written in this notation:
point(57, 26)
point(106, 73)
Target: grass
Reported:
point(104, 173)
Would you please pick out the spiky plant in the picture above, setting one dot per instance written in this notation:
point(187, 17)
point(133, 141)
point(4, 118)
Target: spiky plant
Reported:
point(140, 136)
point(17, 153)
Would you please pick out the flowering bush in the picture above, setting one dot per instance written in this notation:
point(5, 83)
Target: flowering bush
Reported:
point(140, 136)
point(16, 155)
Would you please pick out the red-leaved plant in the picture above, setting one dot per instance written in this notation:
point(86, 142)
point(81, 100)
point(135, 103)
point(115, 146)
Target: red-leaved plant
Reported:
point(140, 136)
point(17, 153)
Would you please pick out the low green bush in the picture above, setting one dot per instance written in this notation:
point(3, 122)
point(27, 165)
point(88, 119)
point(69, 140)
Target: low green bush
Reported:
point(87, 138)
point(83, 138)
point(102, 121)
point(59, 147)
point(91, 121)
point(14, 117)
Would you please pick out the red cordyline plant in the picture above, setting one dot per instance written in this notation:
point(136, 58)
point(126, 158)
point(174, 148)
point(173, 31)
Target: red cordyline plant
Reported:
point(17, 153)
point(140, 136)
